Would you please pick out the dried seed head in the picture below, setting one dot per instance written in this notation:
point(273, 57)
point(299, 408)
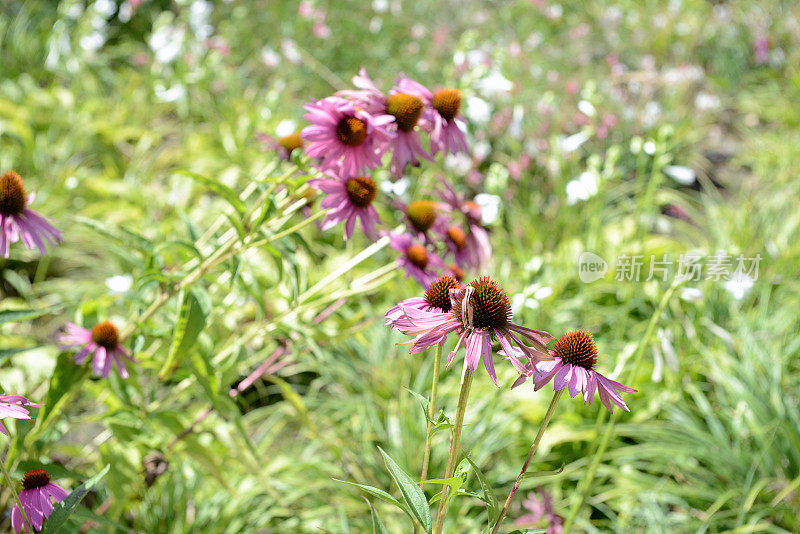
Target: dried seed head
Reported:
point(406, 110)
point(447, 102)
point(12, 194)
point(457, 236)
point(418, 255)
point(291, 142)
point(438, 293)
point(361, 190)
point(578, 348)
point(489, 303)
point(106, 335)
point(422, 214)
point(351, 131)
point(35, 479)
point(154, 465)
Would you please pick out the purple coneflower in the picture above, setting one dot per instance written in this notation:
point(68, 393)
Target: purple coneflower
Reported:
point(37, 490)
point(102, 343)
point(349, 199)
point(284, 146)
point(541, 508)
point(477, 250)
point(572, 367)
point(14, 406)
point(406, 110)
point(416, 259)
point(480, 313)
point(436, 298)
point(441, 116)
point(422, 216)
point(347, 139)
point(17, 222)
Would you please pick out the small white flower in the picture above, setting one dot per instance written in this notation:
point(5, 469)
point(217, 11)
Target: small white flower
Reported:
point(490, 207)
point(478, 110)
point(398, 188)
point(691, 294)
point(583, 188)
point(543, 293)
point(681, 174)
point(120, 283)
point(285, 127)
point(649, 148)
point(739, 285)
point(494, 84)
point(290, 51)
point(458, 163)
point(270, 57)
point(586, 107)
point(176, 92)
point(574, 142)
point(167, 42)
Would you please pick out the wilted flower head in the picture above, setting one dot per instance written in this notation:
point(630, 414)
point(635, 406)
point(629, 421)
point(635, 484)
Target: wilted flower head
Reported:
point(349, 199)
point(476, 250)
point(14, 406)
point(18, 222)
point(37, 490)
point(480, 313)
point(416, 259)
point(102, 343)
point(442, 116)
point(572, 367)
point(349, 140)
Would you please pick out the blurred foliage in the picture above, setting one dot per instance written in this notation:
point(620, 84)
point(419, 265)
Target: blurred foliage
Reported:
point(104, 106)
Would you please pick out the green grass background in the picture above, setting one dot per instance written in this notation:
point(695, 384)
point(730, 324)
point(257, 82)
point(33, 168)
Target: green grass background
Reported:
point(712, 441)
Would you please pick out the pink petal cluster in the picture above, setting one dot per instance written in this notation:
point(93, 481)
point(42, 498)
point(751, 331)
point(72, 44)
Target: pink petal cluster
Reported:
point(103, 356)
point(36, 500)
point(14, 406)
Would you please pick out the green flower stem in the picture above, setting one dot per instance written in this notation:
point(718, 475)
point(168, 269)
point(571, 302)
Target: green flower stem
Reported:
point(437, 361)
point(10, 484)
point(455, 443)
point(585, 484)
point(542, 427)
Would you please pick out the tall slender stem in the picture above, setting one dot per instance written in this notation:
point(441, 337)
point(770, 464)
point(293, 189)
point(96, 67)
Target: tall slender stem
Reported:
point(437, 361)
point(10, 484)
point(455, 443)
point(542, 428)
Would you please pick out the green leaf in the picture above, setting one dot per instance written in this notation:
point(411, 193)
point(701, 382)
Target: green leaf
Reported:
point(219, 188)
point(488, 493)
point(412, 494)
point(379, 493)
point(15, 316)
point(377, 525)
point(62, 510)
point(537, 474)
point(191, 321)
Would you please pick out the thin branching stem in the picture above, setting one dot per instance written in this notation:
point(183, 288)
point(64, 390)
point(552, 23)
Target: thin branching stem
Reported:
point(542, 427)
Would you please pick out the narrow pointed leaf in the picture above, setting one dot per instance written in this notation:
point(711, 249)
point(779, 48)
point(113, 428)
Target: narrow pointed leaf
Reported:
point(412, 494)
